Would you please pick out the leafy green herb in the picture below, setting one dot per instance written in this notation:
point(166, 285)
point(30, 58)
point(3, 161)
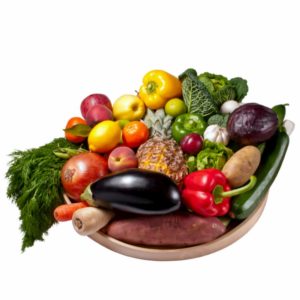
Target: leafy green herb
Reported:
point(35, 187)
point(196, 96)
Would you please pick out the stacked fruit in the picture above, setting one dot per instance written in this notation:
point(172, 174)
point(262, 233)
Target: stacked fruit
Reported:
point(136, 130)
point(185, 140)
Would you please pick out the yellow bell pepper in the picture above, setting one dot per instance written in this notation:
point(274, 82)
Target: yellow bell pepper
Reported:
point(159, 87)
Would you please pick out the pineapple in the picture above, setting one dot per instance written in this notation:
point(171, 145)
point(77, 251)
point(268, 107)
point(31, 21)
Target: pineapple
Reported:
point(164, 156)
point(159, 123)
point(161, 153)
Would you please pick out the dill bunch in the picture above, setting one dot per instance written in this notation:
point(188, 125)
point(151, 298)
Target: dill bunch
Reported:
point(35, 187)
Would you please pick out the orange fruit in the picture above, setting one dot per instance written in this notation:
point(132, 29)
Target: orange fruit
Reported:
point(134, 134)
point(71, 137)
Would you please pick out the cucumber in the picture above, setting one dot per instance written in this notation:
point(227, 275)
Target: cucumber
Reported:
point(243, 205)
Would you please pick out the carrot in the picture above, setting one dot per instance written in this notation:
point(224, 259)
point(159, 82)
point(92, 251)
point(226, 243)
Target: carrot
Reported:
point(65, 212)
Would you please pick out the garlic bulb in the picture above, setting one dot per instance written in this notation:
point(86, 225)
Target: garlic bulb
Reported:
point(217, 134)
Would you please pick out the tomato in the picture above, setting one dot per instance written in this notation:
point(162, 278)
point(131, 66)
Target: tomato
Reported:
point(135, 133)
point(71, 137)
point(104, 137)
point(81, 170)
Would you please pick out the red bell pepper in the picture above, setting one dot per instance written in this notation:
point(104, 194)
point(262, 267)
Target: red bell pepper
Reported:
point(208, 193)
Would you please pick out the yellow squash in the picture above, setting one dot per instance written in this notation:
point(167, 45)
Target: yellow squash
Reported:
point(158, 87)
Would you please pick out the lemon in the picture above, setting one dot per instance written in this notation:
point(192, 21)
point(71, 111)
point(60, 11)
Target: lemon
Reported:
point(105, 136)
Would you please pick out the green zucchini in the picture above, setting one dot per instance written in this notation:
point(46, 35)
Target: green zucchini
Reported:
point(243, 205)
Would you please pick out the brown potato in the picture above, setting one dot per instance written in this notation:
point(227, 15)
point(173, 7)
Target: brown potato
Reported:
point(178, 229)
point(241, 165)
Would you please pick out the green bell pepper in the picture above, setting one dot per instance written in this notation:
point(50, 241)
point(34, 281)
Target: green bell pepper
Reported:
point(188, 123)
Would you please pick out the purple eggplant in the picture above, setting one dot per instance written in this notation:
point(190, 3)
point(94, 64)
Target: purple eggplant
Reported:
point(251, 124)
point(135, 191)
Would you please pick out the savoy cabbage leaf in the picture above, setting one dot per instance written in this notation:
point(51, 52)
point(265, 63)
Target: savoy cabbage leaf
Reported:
point(196, 96)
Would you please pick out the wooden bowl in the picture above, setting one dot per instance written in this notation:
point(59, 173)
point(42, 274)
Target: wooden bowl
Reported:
point(165, 254)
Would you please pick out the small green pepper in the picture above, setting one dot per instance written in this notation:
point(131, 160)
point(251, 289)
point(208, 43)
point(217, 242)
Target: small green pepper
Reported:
point(187, 123)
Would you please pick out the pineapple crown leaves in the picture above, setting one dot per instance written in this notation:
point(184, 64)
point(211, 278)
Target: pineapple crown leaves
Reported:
point(158, 122)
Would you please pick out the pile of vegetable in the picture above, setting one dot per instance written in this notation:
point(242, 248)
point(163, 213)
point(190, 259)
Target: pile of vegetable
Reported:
point(169, 167)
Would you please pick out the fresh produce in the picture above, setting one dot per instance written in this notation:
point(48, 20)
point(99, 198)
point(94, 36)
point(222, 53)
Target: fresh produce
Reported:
point(158, 87)
point(129, 107)
point(273, 155)
point(196, 96)
point(34, 186)
point(66, 153)
point(218, 119)
point(241, 88)
point(71, 137)
point(288, 126)
point(64, 212)
point(242, 165)
point(134, 134)
point(191, 163)
point(217, 134)
point(158, 123)
point(156, 168)
point(213, 155)
point(104, 137)
point(80, 170)
point(89, 220)
point(229, 106)
point(98, 113)
point(280, 112)
point(122, 123)
point(175, 107)
point(179, 229)
point(92, 100)
point(187, 123)
point(122, 158)
point(134, 190)
point(164, 156)
point(191, 143)
point(251, 124)
point(207, 192)
point(218, 86)
point(223, 89)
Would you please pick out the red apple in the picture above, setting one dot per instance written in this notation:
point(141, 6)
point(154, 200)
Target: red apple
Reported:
point(98, 113)
point(122, 158)
point(92, 100)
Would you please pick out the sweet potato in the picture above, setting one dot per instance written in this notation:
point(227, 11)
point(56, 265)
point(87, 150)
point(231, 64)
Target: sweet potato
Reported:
point(178, 229)
point(241, 165)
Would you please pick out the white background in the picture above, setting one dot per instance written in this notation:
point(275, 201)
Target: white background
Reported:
point(54, 53)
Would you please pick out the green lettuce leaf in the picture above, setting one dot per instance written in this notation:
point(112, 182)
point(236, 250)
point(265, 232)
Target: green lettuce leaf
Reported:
point(213, 155)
